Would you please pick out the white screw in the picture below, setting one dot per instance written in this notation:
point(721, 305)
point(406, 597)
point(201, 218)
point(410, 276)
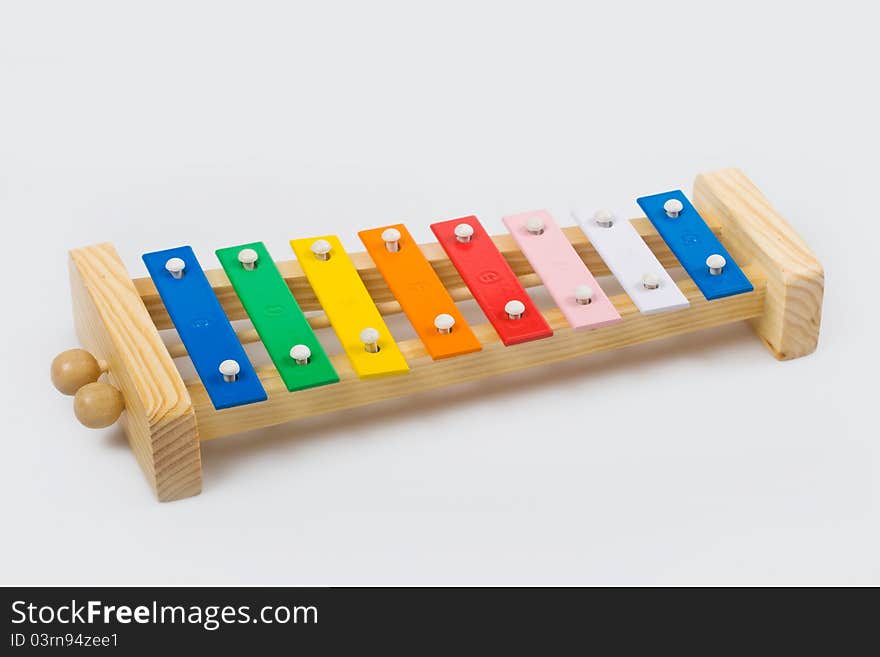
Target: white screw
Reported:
point(583, 294)
point(301, 354)
point(321, 249)
point(673, 208)
point(248, 258)
point(229, 369)
point(651, 281)
point(715, 263)
point(535, 225)
point(370, 338)
point(391, 236)
point(464, 232)
point(604, 218)
point(175, 267)
point(444, 323)
point(514, 309)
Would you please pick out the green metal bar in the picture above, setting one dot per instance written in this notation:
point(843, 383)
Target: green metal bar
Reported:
point(276, 316)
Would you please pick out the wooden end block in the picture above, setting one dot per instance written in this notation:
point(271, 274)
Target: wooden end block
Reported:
point(113, 323)
point(757, 234)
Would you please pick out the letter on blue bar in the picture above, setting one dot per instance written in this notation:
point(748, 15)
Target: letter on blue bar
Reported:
point(692, 241)
point(204, 329)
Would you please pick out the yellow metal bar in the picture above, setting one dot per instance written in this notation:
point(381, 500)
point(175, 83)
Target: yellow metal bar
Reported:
point(348, 306)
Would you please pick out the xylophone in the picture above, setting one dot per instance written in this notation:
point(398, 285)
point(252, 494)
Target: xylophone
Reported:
point(765, 274)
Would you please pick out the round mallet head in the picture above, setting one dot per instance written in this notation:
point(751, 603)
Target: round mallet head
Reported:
point(74, 368)
point(98, 405)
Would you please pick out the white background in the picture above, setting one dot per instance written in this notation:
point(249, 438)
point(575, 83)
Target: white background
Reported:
point(694, 460)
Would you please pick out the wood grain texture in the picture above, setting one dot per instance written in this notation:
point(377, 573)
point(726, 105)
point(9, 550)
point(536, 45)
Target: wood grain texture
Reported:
point(379, 291)
point(756, 234)
point(494, 359)
point(113, 324)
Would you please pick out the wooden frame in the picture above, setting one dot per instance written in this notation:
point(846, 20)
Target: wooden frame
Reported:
point(118, 321)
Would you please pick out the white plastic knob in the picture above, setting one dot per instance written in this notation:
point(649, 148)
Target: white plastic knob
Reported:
point(321, 249)
point(175, 267)
point(464, 232)
point(535, 225)
point(651, 281)
point(391, 237)
point(673, 207)
point(604, 218)
point(369, 335)
point(229, 369)
point(301, 353)
point(583, 294)
point(444, 323)
point(248, 258)
point(370, 338)
point(715, 263)
point(514, 308)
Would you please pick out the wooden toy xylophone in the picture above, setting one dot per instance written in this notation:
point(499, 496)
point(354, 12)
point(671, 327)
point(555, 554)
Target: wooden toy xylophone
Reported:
point(766, 274)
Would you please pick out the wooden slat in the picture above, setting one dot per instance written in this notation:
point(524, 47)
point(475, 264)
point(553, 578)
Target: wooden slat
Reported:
point(494, 359)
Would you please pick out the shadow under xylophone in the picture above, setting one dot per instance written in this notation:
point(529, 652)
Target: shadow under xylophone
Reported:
point(768, 276)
